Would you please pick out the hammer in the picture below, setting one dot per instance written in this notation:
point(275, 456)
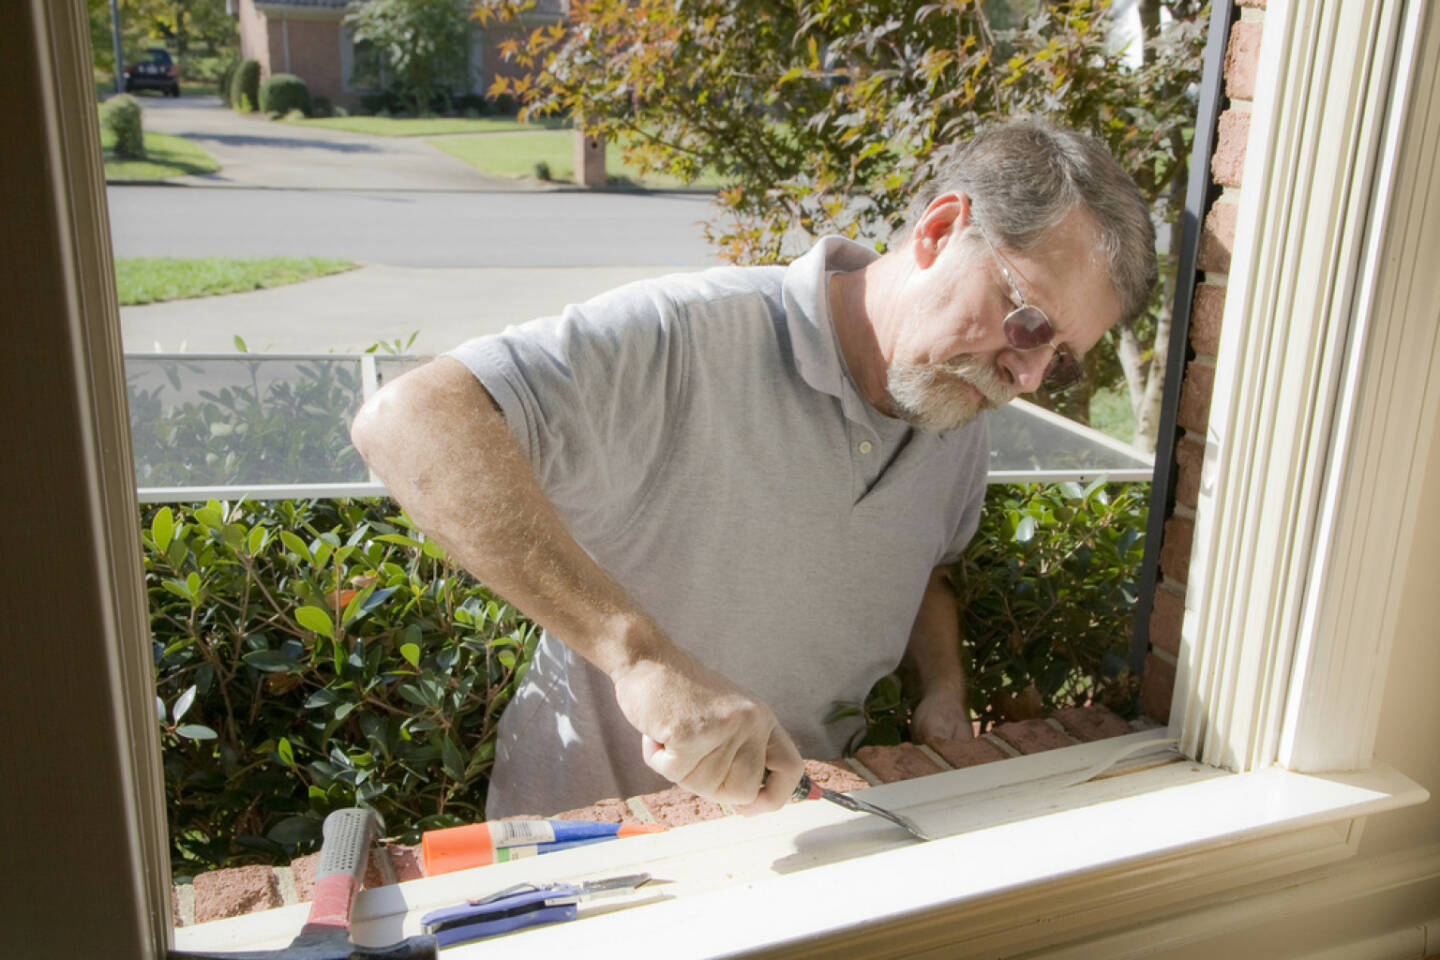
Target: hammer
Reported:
point(326, 934)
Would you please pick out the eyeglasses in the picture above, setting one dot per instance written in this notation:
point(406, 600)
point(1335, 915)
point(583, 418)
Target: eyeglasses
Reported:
point(1027, 328)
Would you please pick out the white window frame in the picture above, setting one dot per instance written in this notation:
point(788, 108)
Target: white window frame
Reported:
point(1303, 452)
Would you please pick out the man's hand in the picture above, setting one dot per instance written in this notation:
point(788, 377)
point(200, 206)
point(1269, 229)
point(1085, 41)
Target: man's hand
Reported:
point(941, 715)
point(706, 734)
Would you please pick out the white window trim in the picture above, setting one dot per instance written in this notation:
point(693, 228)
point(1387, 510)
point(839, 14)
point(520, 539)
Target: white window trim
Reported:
point(1321, 412)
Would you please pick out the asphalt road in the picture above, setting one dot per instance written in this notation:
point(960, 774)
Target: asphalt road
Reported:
point(419, 229)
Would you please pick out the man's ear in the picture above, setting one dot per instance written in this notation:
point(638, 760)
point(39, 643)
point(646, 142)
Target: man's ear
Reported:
point(943, 220)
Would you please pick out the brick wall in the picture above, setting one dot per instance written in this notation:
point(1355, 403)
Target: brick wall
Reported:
point(1217, 239)
point(315, 56)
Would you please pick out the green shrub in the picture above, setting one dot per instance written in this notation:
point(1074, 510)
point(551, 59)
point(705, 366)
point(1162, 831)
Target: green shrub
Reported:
point(311, 655)
point(283, 92)
point(226, 79)
point(1046, 592)
point(320, 106)
point(121, 116)
point(245, 86)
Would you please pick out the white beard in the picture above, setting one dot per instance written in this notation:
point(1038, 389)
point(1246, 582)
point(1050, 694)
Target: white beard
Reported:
point(935, 396)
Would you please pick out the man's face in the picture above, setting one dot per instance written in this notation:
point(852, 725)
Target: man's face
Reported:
point(951, 359)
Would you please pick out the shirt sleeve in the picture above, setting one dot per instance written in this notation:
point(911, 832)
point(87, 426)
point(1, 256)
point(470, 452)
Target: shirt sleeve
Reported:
point(973, 472)
point(591, 397)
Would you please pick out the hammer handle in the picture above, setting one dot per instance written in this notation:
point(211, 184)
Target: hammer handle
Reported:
point(344, 854)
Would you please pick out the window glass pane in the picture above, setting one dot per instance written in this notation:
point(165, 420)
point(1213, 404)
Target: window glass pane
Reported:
point(211, 421)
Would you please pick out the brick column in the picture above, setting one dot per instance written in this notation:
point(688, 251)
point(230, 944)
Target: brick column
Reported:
point(1217, 239)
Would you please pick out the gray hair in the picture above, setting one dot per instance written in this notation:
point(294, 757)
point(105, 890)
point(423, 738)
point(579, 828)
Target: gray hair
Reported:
point(1024, 176)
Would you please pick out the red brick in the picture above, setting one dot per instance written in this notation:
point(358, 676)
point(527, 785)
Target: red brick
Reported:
point(967, 753)
point(901, 762)
point(1242, 57)
point(1156, 688)
point(1217, 239)
point(408, 862)
point(1175, 548)
point(1195, 393)
point(1227, 166)
point(1095, 722)
point(677, 807)
point(234, 891)
point(1166, 618)
point(606, 811)
point(1032, 736)
point(834, 775)
point(1190, 457)
point(302, 869)
point(1206, 317)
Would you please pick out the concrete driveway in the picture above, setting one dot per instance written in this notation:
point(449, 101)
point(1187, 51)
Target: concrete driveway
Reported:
point(256, 152)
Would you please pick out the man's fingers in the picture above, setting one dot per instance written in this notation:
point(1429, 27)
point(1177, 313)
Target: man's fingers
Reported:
point(742, 779)
point(673, 765)
point(784, 766)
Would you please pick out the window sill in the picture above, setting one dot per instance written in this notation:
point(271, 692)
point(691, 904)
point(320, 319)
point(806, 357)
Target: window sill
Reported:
point(1027, 857)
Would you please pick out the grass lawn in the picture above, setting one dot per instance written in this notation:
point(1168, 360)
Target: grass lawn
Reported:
point(427, 126)
point(518, 154)
point(155, 279)
point(1110, 413)
point(165, 157)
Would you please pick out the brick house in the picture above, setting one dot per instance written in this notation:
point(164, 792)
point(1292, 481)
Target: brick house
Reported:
point(1301, 562)
point(309, 38)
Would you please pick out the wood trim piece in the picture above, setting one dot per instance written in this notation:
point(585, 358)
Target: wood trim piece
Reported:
point(1384, 425)
point(84, 821)
point(1029, 866)
point(1289, 331)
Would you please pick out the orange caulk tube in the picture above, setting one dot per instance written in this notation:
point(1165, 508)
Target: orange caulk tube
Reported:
point(479, 844)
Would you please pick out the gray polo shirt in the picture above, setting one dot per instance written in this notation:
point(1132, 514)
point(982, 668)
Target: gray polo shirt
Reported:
point(704, 442)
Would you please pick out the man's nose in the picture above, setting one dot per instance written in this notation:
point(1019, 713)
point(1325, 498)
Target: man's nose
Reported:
point(1025, 369)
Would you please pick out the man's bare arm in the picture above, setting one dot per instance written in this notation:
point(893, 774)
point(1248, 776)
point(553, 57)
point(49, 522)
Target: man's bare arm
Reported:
point(934, 652)
point(437, 439)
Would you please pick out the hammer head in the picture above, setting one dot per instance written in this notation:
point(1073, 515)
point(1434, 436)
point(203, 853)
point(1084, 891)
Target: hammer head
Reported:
point(317, 942)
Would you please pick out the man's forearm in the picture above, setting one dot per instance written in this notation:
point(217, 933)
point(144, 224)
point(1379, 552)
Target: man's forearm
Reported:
point(437, 439)
point(934, 647)
point(442, 447)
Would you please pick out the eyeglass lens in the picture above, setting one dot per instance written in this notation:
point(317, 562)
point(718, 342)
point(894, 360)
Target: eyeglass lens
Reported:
point(1027, 328)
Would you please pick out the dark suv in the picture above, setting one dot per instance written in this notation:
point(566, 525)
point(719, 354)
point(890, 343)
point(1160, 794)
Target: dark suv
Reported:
point(156, 72)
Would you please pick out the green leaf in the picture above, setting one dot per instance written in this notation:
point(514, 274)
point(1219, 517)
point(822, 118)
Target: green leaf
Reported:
point(1025, 529)
point(240, 344)
point(453, 759)
point(285, 752)
point(411, 652)
point(432, 549)
point(182, 704)
point(295, 545)
point(162, 528)
point(293, 831)
point(192, 585)
point(257, 539)
point(317, 620)
point(271, 661)
point(195, 731)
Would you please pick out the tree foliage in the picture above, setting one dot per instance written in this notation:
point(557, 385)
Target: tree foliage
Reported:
point(183, 26)
point(823, 115)
point(421, 48)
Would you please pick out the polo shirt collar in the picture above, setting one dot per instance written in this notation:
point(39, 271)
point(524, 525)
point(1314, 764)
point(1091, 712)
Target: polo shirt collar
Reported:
point(809, 322)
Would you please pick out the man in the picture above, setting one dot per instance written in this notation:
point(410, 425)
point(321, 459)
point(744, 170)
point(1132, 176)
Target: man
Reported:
point(730, 497)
